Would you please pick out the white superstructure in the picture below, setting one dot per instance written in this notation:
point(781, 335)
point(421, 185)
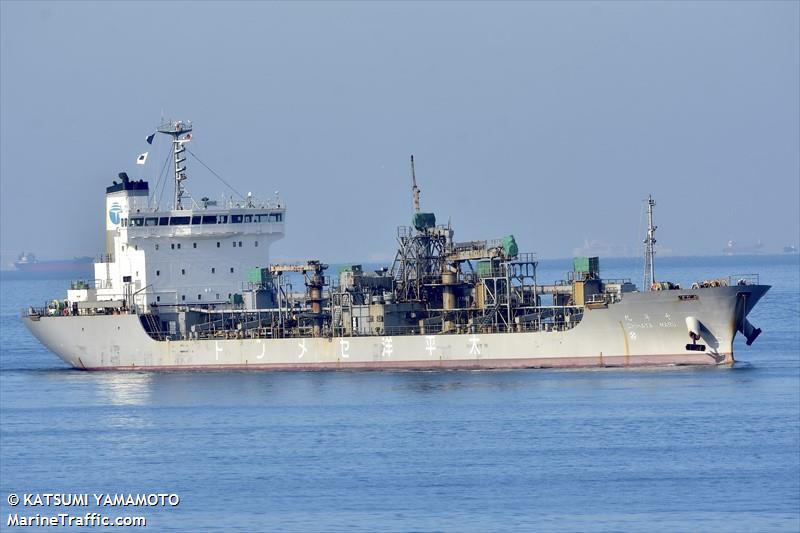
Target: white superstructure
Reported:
point(193, 253)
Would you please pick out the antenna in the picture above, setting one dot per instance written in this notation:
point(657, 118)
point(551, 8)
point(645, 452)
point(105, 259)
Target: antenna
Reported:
point(649, 247)
point(414, 188)
point(175, 130)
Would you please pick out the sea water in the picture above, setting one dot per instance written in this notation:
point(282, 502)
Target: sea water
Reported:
point(667, 449)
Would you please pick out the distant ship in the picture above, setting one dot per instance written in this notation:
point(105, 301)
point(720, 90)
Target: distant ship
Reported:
point(28, 264)
point(790, 250)
point(732, 248)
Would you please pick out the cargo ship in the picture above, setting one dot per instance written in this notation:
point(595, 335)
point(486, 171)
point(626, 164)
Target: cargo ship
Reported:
point(734, 248)
point(190, 287)
point(27, 263)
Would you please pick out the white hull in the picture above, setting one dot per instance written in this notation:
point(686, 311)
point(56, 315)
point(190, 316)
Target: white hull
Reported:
point(643, 329)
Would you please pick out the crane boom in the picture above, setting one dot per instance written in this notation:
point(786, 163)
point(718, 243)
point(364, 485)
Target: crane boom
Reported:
point(414, 188)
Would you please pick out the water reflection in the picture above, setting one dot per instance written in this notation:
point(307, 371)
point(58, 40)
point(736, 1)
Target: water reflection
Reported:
point(124, 388)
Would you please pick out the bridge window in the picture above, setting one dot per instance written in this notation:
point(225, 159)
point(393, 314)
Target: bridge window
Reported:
point(222, 219)
point(209, 219)
point(183, 297)
point(196, 219)
point(213, 270)
point(151, 221)
point(179, 221)
point(236, 219)
point(137, 221)
point(199, 296)
point(248, 218)
point(163, 221)
point(240, 244)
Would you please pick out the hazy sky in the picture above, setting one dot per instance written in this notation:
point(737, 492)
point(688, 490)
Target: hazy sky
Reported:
point(551, 121)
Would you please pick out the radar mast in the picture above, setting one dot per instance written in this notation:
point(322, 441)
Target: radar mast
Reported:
point(649, 247)
point(176, 129)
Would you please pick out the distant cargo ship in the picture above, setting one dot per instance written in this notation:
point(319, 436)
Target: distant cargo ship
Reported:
point(27, 263)
point(732, 248)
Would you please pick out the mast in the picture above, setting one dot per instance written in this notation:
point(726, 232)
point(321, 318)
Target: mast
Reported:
point(649, 247)
point(414, 188)
point(175, 130)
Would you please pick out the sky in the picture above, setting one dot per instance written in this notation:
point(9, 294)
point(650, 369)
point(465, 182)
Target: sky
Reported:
point(548, 121)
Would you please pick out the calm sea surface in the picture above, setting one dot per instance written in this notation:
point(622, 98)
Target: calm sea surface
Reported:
point(678, 449)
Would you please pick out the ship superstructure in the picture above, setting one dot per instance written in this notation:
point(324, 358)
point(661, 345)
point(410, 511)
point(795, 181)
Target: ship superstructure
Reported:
point(192, 287)
point(192, 252)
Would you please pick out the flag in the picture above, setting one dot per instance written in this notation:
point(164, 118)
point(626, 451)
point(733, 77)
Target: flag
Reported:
point(150, 138)
point(142, 158)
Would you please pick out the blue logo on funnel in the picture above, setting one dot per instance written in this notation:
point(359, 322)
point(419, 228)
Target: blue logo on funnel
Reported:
point(113, 213)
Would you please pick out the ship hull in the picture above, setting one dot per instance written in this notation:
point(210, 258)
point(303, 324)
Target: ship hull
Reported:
point(644, 329)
